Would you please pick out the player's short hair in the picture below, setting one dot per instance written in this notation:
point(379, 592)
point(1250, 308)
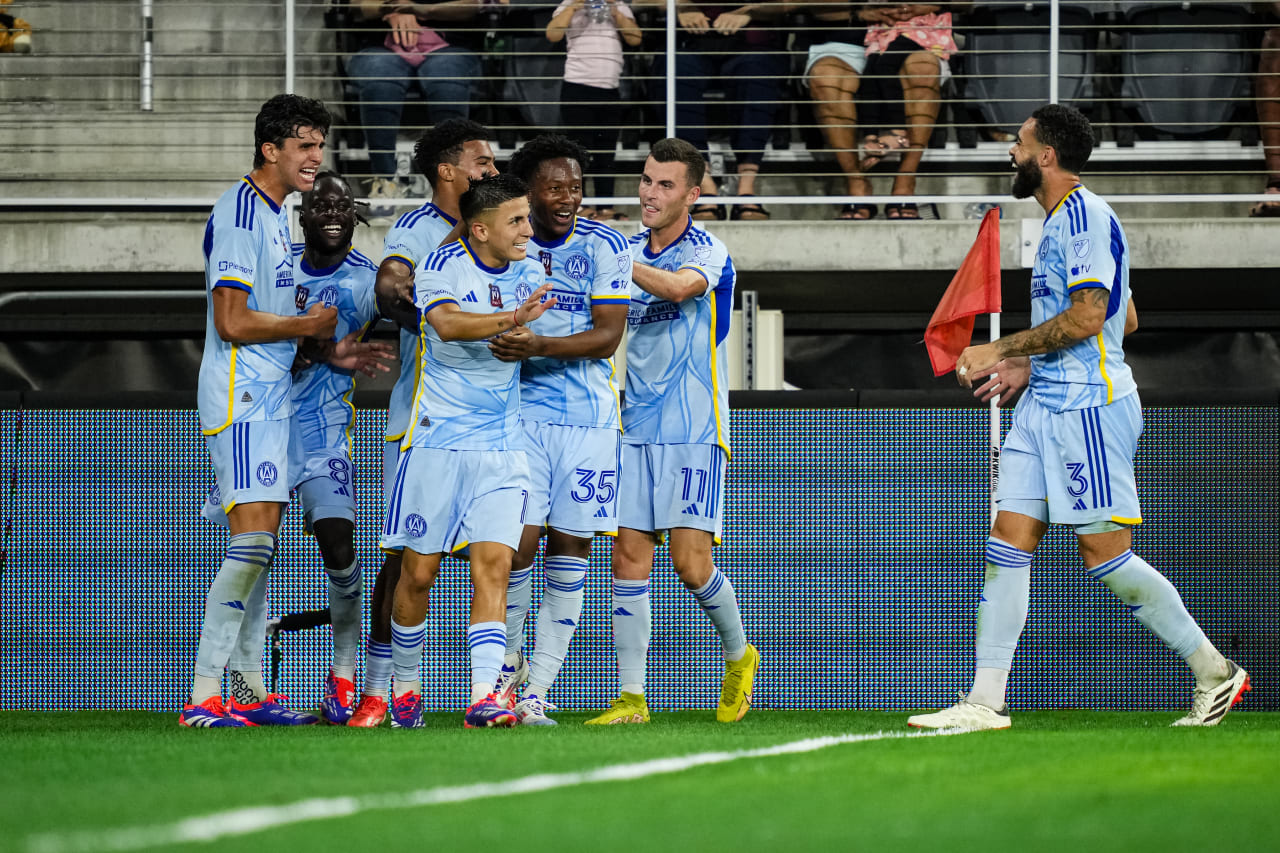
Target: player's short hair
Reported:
point(672, 150)
point(1066, 131)
point(490, 193)
point(443, 144)
point(549, 146)
point(281, 117)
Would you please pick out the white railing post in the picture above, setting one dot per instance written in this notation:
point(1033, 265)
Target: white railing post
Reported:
point(290, 49)
point(146, 71)
point(672, 24)
point(1055, 21)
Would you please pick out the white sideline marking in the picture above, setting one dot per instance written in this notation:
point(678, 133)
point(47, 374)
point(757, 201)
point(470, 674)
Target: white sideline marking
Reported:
point(219, 825)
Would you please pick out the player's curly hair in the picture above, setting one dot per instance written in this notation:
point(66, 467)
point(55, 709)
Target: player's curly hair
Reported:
point(489, 193)
point(281, 117)
point(1066, 131)
point(443, 144)
point(329, 174)
point(540, 149)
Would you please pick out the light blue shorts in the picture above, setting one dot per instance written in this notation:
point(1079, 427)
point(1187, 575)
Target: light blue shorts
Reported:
point(573, 477)
point(390, 460)
point(321, 471)
point(1080, 462)
point(852, 55)
point(672, 485)
point(251, 463)
point(443, 500)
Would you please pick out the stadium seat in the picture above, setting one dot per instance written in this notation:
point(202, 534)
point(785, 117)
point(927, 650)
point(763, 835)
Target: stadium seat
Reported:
point(1185, 66)
point(1003, 69)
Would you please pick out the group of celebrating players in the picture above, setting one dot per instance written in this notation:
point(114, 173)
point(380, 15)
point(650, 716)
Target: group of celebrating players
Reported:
point(504, 427)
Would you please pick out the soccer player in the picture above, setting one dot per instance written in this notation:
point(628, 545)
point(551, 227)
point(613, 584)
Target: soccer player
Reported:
point(675, 439)
point(450, 155)
point(244, 390)
point(462, 479)
point(1068, 458)
point(569, 411)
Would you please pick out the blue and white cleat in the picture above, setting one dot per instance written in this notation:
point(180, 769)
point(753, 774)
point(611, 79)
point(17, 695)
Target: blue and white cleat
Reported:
point(532, 711)
point(406, 711)
point(270, 712)
point(209, 714)
point(339, 701)
point(488, 714)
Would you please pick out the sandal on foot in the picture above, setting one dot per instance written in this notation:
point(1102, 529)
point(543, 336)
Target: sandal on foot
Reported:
point(906, 210)
point(707, 212)
point(857, 212)
point(749, 212)
point(1268, 208)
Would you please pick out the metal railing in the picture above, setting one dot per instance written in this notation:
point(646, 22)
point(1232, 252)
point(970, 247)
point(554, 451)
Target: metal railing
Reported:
point(161, 97)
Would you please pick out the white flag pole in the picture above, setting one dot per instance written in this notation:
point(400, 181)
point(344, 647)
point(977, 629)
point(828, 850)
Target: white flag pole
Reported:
point(993, 433)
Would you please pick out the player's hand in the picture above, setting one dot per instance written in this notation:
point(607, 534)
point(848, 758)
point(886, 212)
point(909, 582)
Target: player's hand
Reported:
point(1006, 379)
point(516, 345)
point(324, 319)
point(368, 357)
point(975, 362)
point(533, 307)
point(694, 22)
point(729, 23)
point(404, 28)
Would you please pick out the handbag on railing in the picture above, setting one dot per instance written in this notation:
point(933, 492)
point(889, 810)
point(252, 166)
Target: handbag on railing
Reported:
point(429, 41)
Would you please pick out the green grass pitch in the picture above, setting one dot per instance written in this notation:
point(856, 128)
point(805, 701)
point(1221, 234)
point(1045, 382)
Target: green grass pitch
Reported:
point(1065, 780)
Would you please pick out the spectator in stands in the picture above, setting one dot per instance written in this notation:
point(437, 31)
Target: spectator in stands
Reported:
point(1267, 88)
point(590, 100)
point(15, 33)
point(907, 51)
point(836, 57)
point(741, 46)
point(408, 50)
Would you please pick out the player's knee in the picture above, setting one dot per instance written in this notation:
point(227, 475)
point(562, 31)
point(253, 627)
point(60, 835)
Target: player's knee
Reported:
point(417, 578)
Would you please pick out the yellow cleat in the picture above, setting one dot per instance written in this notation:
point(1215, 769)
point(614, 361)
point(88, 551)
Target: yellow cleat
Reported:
point(627, 708)
point(735, 690)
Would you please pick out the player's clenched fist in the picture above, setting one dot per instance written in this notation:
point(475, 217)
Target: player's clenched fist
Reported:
point(325, 318)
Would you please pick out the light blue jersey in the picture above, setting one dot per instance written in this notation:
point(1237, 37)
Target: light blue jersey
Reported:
point(1082, 246)
point(466, 398)
point(589, 266)
point(677, 369)
point(415, 235)
point(246, 246)
point(322, 407)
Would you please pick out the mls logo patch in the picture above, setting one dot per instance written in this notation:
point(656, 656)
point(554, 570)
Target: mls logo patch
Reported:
point(1080, 247)
point(416, 525)
point(702, 254)
point(267, 474)
point(624, 264)
point(495, 296)
point(577, 266)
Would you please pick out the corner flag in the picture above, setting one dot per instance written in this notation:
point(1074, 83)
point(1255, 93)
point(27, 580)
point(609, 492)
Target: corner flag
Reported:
point(974, 290)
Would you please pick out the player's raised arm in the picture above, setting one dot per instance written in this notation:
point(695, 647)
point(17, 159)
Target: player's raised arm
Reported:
point(453, 324)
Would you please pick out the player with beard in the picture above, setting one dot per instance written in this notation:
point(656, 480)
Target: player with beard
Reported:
point(1068, 458)
point(569, 412)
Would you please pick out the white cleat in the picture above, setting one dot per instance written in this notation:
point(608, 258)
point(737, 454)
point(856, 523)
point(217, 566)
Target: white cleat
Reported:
point(963, 715)
point(1212, 704)
point(532, 711)
point(510, 680)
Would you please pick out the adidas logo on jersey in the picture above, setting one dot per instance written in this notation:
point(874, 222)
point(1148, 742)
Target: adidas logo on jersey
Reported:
point(602, 512)
point(1079, 504)
point(246, 398)
point(470, 297)
point(691, 509)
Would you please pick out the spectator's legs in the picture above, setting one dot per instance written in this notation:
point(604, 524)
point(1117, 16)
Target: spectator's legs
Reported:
point(382, 79)
point(832, 85)
point(1267, 88)
point(592, 116)
point(693, 78)
point(921, 90)
point(753, 83)
point(447, 77)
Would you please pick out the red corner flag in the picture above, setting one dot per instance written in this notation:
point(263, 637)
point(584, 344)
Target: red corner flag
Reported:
point(974, 290)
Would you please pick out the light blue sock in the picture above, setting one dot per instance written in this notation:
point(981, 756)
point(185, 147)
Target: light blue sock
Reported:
point(720, 602)
point(247, 557)
point(244, 668)
point(1152, 600)
point(406, 655)
point(519, 596)
point(1002, 607)
point(632, 627)
point(345, 589)
point(487, 641)
point(558, 617)
point(377, 668)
